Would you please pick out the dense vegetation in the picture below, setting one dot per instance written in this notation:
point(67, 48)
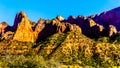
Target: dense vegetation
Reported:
point(61, 50)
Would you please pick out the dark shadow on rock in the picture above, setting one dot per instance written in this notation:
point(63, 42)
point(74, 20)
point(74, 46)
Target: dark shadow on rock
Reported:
point(48, 30)
point(9, 28)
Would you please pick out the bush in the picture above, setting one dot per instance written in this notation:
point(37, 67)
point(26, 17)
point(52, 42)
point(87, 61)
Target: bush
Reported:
point(31, 61)
point(20, 61)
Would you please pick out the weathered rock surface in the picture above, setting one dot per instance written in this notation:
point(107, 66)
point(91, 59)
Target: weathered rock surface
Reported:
point(104, 24)
point(61, 40)
point(111, 17)
point(60, 18)
point(108, 18)
point(88, 26)
point(24, 30)
point(112, 30)
point(45, 28)
point(98, 24)
point(7, 35)
point(27, 31)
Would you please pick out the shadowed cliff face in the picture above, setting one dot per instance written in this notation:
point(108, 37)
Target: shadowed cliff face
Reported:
point(18, 19)
point(107, 18)
point(104, 24)
point(111, 17)
point(45, 28)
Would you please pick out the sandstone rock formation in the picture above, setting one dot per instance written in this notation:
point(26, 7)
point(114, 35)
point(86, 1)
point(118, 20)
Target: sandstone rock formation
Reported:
point(39, 27)
point(27, 31)
point(3, 26)
point(60, 18)
point(7, 35)
point(107, 19)
point(103, 24)
point(88, 26)
point(61, 40)
point(98, 24)
point(24, 30)
point(49, 27)
point(112, 30)
point(71, 19)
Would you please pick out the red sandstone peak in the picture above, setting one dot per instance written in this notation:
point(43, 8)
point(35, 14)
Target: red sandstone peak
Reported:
point(23, 26)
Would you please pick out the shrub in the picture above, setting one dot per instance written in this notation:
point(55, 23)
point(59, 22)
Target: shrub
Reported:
point(20, 61)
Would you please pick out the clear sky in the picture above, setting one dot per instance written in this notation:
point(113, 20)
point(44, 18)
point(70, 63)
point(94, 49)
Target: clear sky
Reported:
point(49, 9)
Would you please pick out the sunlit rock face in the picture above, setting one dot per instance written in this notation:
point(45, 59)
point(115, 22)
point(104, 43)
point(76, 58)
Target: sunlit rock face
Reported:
point(24, 30)
point(112, 30)
point(60, 18)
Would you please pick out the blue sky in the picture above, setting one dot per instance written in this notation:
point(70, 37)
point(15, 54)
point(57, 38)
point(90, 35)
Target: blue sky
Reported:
point(49, 9)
